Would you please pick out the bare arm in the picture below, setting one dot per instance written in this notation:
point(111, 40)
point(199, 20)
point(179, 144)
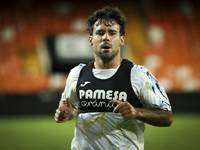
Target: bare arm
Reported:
point(65, 111)
point(155, 117)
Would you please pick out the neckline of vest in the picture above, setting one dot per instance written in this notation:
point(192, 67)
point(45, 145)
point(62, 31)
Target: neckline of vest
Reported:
point(91, 67)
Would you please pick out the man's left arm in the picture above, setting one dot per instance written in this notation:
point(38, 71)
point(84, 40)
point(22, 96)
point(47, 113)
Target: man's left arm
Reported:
point(156, 106)
point(155, 116)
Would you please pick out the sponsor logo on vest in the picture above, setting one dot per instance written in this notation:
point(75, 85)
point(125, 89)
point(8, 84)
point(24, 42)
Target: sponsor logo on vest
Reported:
point(99, 98)
point(102, 94)
point(96, 103)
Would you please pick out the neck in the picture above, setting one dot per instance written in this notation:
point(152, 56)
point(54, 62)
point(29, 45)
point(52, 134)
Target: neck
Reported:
point(114, 63)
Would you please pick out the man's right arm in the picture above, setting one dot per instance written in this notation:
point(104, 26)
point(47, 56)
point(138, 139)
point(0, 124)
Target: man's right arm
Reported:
point(65, 111)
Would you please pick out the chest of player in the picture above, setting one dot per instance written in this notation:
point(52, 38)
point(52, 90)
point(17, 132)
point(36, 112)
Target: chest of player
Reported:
point(95, 94)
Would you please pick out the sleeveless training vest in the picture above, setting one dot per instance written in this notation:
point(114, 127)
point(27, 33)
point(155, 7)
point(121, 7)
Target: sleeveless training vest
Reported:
point(95, 94)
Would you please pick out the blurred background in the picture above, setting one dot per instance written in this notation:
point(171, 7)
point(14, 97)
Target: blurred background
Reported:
point(40, 41)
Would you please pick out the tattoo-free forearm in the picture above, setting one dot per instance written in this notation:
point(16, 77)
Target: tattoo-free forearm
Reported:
point(155, 117)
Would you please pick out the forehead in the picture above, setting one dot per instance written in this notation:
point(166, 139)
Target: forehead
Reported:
point(106, 24)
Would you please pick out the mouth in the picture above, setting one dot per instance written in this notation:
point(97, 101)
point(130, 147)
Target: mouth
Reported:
point(106, 47)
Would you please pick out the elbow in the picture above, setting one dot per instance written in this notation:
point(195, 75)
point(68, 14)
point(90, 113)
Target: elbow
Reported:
point(169, 120)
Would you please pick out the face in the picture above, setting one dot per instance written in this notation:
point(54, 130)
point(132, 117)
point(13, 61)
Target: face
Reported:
point(106, 40)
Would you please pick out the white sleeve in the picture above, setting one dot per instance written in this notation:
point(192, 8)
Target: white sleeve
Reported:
point(147, 88)
point(70, 87)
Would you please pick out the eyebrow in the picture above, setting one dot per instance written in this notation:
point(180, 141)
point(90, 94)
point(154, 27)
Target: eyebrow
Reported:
point(110, 30)
point(113, 30)
point(99, 30)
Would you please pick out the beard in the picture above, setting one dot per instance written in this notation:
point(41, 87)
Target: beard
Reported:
point(106, 58)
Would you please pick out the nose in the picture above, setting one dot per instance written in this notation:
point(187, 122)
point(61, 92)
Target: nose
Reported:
point(106, 37)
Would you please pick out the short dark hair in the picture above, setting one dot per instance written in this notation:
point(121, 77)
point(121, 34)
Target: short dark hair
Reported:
point(107, 14)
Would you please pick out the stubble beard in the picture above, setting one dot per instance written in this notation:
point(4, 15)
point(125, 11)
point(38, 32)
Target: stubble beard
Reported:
point(106, 58)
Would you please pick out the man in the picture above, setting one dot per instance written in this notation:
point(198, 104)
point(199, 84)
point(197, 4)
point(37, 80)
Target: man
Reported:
point(111, 96)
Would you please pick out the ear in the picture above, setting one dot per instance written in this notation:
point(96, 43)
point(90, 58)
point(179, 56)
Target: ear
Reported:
point(122, 40)
point(90, 39)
